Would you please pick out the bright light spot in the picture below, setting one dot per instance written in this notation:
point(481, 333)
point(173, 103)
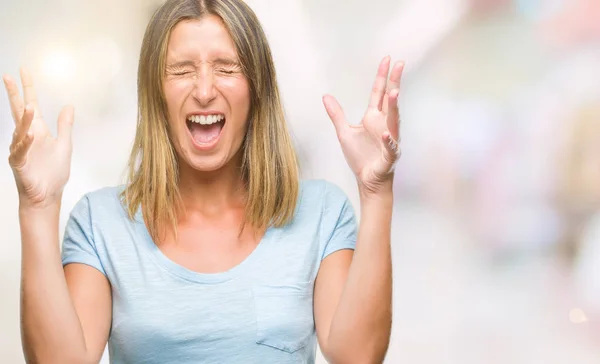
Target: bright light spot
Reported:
point(102, 60)
point(577, 316)
point(59, 66)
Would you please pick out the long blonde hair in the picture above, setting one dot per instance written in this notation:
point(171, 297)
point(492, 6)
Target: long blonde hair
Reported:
point(269, 167)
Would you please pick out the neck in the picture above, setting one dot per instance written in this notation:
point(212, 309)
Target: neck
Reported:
point(212, 193)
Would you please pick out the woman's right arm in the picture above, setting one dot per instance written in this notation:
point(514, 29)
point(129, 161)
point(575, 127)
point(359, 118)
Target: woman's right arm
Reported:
point(65, 313)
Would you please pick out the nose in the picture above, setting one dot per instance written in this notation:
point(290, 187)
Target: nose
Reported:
point(204, 87)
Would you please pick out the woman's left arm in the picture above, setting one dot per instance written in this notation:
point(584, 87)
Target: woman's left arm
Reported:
point(353, 290)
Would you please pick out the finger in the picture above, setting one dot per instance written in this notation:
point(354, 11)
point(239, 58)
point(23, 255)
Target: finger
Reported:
point(335, 112)
point(385, 105)
point(392, 148)
point(29, 91)
point(393, 115)
point(65, 124)
point(380, 84)
point(24, 125)
point(14, 97)
point(18, 155)
point(396, 76)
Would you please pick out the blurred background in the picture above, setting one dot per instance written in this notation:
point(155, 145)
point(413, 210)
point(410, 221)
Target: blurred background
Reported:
point(496, 232)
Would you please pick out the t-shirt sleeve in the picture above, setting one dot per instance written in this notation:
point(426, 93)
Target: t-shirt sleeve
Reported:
point(339, 221)
point(78, 243)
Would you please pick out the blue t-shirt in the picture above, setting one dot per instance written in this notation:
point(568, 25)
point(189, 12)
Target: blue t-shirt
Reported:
point(260, 311)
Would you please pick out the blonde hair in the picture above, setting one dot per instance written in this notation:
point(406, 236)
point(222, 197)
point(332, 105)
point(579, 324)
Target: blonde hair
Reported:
point(269, 167)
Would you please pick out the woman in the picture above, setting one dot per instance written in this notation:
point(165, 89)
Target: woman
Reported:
point(213, 251)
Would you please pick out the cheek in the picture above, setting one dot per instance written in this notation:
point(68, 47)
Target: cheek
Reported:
point(237, 92)
point(175, 94)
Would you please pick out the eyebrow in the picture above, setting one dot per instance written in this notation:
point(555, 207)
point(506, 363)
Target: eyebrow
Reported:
point(180, 64)
point(226, 62)
point(220, 61)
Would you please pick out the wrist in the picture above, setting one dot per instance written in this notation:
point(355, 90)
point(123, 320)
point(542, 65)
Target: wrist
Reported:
point(28, 208)
point(383, 191)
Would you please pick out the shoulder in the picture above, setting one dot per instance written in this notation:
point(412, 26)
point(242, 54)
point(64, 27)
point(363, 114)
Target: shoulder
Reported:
point(321, 201)
point(105, 200)
point(321, 192)
point(105, 193)
point(327, 208)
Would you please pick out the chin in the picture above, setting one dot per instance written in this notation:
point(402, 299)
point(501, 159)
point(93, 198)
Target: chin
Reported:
point(190, 158)
point(207, 164)
point(210, 161)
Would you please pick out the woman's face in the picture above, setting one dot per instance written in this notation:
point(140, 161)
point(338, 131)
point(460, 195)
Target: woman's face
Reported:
point(207, 95)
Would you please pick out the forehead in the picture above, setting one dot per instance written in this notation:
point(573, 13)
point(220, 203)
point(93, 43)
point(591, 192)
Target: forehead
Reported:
point(200, 39)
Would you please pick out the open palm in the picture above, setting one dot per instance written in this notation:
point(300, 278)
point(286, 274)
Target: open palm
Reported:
point(371, 148)
point(39, 161)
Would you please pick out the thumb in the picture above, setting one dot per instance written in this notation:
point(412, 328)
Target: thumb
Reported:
point(335, 112)
point(65, 124)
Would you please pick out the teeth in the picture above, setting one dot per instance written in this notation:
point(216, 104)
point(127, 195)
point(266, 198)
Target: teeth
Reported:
point(206, 120)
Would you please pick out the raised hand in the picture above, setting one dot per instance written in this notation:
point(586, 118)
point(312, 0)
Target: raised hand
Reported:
point(372, 147)
point(40, 162)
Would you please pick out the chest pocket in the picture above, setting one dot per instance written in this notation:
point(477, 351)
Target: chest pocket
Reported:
point(284, 315)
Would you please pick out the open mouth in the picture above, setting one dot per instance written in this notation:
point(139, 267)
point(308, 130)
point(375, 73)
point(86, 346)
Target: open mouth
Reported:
point(205, 129)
